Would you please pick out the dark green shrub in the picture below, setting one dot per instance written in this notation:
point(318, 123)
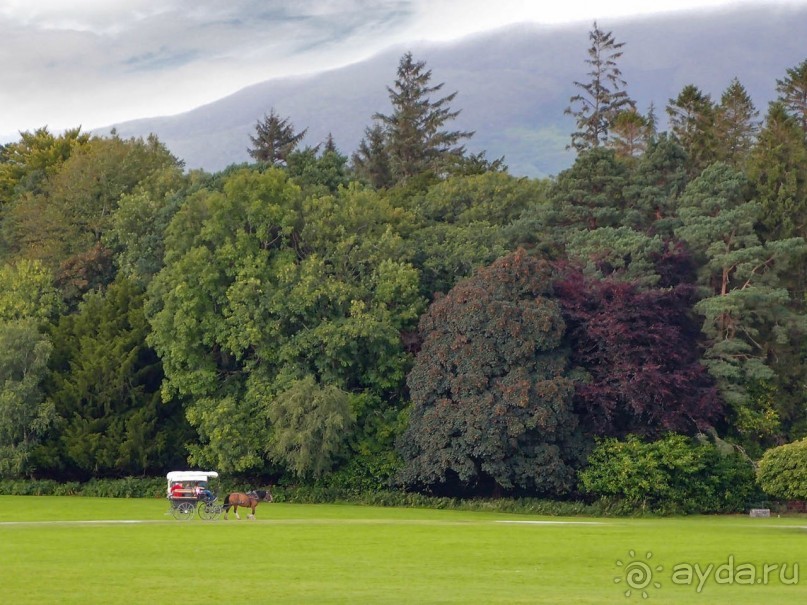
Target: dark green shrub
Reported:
point(129, 487)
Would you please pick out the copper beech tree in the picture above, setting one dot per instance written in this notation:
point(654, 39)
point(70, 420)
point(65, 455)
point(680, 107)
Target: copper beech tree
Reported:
point(491, 402)
point(637, 352)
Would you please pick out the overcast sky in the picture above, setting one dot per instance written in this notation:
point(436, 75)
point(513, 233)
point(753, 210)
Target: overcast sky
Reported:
point(92, 63)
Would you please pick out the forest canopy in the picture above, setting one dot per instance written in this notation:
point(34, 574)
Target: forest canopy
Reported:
point(411, 315)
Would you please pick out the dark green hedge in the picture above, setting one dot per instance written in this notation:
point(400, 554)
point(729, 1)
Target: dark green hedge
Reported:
point(137, 487)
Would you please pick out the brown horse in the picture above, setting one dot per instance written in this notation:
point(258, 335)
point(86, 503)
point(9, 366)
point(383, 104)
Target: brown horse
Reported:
point(250, 500)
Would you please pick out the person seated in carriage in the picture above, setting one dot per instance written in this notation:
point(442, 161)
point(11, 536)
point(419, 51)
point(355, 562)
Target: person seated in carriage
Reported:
point(177, 490)
point(203, 493)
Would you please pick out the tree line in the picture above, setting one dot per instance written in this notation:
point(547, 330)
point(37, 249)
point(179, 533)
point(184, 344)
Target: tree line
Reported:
point(412, 315)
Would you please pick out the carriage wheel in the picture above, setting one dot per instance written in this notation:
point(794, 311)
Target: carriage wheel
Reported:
point(209, 511)
point(184, 511)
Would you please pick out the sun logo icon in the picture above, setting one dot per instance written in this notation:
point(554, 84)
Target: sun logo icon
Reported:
point(638, 574)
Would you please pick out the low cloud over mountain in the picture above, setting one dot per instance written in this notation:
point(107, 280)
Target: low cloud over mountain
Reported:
point(513, 85)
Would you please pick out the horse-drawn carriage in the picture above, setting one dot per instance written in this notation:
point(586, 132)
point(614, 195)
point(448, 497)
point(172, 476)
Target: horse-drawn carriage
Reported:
point(189, 493)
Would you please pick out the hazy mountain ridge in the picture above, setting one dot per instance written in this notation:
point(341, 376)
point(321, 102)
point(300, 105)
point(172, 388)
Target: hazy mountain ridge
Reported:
point(513, 85)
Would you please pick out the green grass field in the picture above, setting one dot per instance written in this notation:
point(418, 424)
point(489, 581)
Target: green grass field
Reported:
point(88, 550)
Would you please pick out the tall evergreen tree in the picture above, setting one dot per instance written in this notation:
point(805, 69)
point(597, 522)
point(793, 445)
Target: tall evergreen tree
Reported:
point(415, 135)
point(371, 161)
point(275, 138)
point(777, 169)
point(793, 93)
point(736, 124)
point(590, 194)
point(603, 97)
point(329, 145)
point(327, 170)
point(105, 388)
point(656, 183)
point(692, 122)
point(747, 307)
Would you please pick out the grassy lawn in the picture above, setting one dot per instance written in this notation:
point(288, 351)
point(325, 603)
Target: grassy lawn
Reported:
point(77, 550)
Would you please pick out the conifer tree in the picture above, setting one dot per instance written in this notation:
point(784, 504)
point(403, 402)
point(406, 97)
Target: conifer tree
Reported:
point(275, 138)
point(736, 124)
point(371, 160)
point(414, 139)
point(603, 97)
point(630, 132)
point(777, 169)
point(793, 93)
point(329, 145)
point(748, 309)
point(692, 121)
point(415, 129)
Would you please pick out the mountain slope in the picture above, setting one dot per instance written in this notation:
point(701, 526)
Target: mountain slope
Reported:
point(513, 85)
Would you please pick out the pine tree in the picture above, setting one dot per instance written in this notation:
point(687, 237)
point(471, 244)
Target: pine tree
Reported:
point(274, 140)
point(747, 308)
point(603, 97)
point(630, 133)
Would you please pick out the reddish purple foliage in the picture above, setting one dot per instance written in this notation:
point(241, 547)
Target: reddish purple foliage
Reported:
point(641, 353)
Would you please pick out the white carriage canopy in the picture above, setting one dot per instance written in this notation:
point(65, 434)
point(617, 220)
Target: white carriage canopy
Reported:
point(190, 476)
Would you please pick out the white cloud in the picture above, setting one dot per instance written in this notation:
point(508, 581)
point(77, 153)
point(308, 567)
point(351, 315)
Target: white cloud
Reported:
point(100, 16)
point(96, 62)
point(440, 19)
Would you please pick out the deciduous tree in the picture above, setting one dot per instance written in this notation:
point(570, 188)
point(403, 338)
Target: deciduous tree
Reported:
point(491, 402)
point(26, 165)
point(638, 351)
point(272, 286)
point(459, 225)
point(25, 414)
point(64, 224)
point(310, 427)
point(28, 303)
point(782, 471)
